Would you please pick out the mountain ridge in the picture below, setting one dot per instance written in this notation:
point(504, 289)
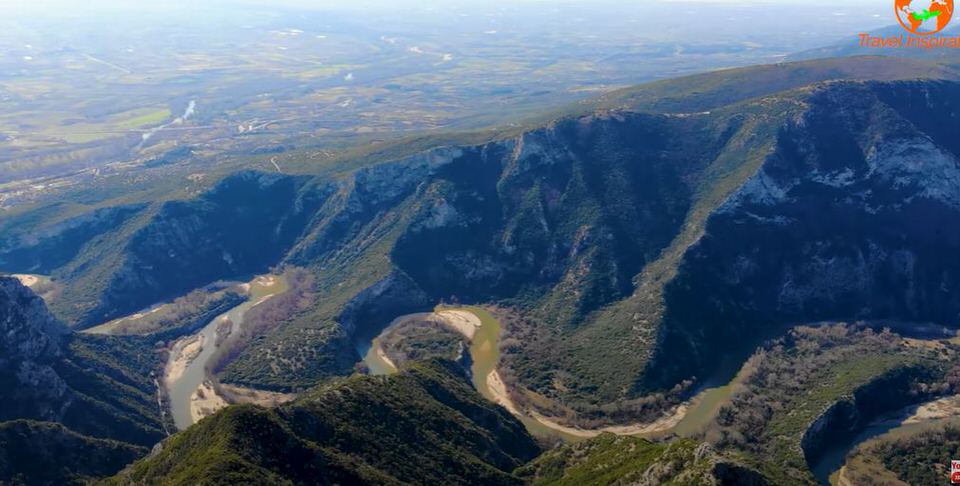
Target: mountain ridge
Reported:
point(589, 226)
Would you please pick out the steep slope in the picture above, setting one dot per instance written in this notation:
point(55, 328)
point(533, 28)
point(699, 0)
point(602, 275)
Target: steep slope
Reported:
point(821, 386)
point(848, 218)
point(611, 460)
point(32, 243)
point(91, 401)
point(30, 347)
point(666, 222)
point(117, 260)
point(44, 453)
point(423, 426)
point(239, 227)
point(645, 242)
point(97, 386)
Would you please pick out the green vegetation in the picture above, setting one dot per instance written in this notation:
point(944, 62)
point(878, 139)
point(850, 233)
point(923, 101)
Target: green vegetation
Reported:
point(354, 289)
point(612, 460)
point(417, 340)
point(185, 315)
point(95, 385)
point(95, 396)
point(920, 455)
point(43, 453)
point(818, 384)
point(293, 295)
point(425, 425)
point(115, 395)
point(144, 117)
point(600, 226)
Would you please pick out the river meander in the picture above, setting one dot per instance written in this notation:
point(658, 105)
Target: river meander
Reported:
point(687, 420)
point(485, 355)
point(184, 376)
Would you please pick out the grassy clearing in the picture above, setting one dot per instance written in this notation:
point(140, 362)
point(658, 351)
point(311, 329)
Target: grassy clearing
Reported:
point(140, 118)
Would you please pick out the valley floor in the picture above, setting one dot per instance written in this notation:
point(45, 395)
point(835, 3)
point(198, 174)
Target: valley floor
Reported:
point(472, 322)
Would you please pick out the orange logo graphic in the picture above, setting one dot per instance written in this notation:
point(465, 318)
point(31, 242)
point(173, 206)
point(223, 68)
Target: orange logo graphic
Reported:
point(924, 17)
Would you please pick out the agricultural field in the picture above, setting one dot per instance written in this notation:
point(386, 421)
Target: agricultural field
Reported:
point(184, 91)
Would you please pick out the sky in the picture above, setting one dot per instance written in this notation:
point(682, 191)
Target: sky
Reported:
point(83, 4)
point(873, 13)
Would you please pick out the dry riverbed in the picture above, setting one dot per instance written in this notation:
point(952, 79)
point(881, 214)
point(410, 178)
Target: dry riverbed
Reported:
point(183, 352)
point(205, 401)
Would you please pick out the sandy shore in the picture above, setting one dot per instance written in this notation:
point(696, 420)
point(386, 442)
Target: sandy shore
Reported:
point(462, 322)
point(499, 391)
point(27, 280)
point(842, 479)
point(237, 394)
point(205, 402)
point(386, 359)
point(664, 423)
point(118, 325)
point(939, 409)
point(182, 354)
point(140, 315)
point(466, 323)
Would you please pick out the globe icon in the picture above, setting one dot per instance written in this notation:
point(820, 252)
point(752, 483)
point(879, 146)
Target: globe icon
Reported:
point(924, 17)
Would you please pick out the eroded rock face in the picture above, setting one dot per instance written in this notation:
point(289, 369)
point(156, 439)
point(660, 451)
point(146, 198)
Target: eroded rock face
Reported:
point(30, 340)
point(241, 226)
point(93, 385)
point(574, 209)
point(849, 215)
point(360, 199)
point(24, 248)
point(852, 216)
point(380, 303)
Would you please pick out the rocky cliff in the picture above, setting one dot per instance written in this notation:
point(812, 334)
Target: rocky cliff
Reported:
point(849, 217)
point(90, 402)
point(664, 228)
point(31, 343)
point(48, 374)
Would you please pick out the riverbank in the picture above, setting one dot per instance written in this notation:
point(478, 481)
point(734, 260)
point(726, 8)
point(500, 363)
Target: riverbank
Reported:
point(463, 322)
point(908, 421)
point(922, 446)
point(205, 401)
point(482, 331)
point(183, 352)
point(193, 393)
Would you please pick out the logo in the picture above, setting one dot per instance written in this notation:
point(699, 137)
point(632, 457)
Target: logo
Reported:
point(924, 17)
point(954, 472)
point(921, 19)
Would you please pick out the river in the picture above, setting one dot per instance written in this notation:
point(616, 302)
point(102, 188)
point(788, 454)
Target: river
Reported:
point(485, 355)
point(904, 422)
point(185, 376)
point(686, 421)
